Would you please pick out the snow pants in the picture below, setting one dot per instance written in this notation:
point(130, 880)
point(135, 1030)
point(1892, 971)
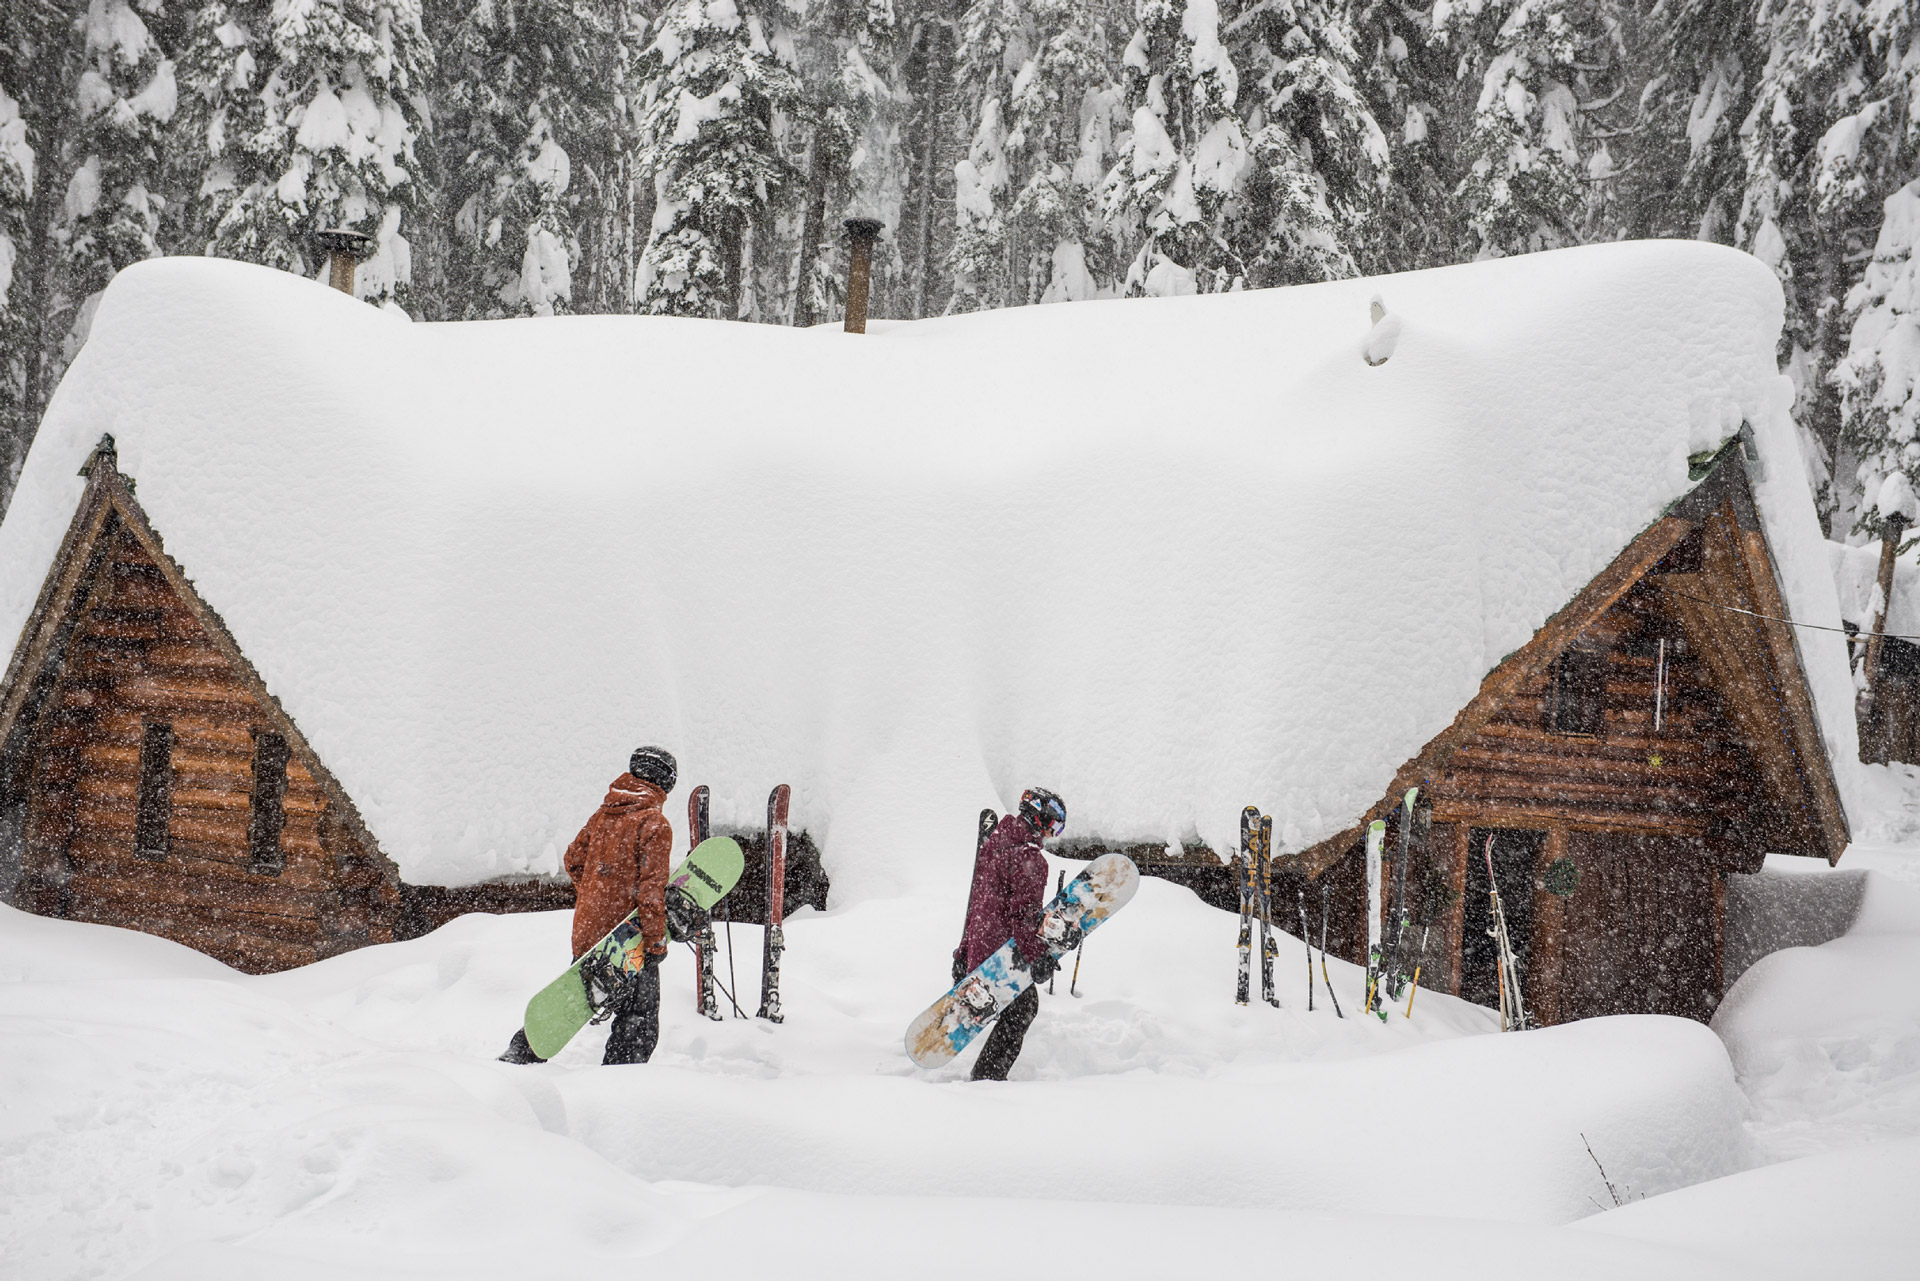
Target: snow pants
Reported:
point(636, 1017)
point(1008, 1035)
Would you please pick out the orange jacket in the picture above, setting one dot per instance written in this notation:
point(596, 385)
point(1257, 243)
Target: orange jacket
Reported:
point(619, 865)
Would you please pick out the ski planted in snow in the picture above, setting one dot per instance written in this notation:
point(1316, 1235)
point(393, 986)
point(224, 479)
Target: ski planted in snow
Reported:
point(1243, 868)
point(1269, 950)
point(1306, 942)
point(1400, 926)
point(1376, 838)
point(988, 821)
point(776, 938)
point(1513, 1011)
point(704, 944)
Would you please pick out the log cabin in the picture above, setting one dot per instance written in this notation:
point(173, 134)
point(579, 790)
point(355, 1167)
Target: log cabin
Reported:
point(1520, 545)
point(1654, 738)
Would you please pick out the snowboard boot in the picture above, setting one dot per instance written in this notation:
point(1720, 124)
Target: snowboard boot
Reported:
point(518, 1051)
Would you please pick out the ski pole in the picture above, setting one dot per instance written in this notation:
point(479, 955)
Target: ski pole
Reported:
point(1057, 887)
point(1418, 962)
point(1306, 937)
point(717, 983)
point(731, 977)
point(1325, 893)
point(1073, 988)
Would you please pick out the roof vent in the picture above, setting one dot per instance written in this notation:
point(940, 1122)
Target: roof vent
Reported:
point(345, 250)
point(1384, 336)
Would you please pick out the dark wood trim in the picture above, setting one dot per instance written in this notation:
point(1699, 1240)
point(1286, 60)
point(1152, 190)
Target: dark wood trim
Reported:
point(1545, 979)
point(69, 580)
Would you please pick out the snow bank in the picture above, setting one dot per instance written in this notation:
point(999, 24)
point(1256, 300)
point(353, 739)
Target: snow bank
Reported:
point(1826, 1039)
point(204, 1123)
point(1167, 557)
point(1847, 1213)
point(1790, 902)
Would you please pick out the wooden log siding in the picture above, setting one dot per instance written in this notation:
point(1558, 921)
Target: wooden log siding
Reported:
point(256, 898)
point(1692, 778)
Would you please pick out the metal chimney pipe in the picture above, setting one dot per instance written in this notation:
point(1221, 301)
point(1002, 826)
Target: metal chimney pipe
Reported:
point(861, 231)
point(344, 249)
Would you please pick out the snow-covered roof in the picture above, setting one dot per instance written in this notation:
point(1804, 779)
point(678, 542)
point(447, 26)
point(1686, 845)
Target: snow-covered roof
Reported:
point(1167, 557)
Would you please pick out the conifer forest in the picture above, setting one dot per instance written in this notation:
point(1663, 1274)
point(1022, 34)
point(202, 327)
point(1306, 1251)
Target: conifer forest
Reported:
point(699, 157)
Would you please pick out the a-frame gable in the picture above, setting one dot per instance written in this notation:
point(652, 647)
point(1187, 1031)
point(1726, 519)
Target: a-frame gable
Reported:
point(1754, 661)
point(110, 527)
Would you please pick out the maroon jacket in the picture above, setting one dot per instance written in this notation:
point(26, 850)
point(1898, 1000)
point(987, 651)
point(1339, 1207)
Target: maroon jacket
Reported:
point(1009, 889)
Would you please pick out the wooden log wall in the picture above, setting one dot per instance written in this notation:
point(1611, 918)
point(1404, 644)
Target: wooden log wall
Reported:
point(1692, 777)
point(139, 656)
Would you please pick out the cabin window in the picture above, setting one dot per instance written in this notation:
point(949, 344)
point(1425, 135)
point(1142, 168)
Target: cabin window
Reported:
point(156, 791)
point(267, 813)
point(1577, 693)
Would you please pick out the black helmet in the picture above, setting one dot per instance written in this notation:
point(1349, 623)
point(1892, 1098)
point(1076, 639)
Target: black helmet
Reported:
point(1044, 812)
point(654, 765)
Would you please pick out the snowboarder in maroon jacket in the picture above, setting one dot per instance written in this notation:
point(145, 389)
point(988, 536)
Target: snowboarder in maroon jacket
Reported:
point(1009, 887)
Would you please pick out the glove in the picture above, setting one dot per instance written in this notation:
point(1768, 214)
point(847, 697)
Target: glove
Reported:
point(959, 963)
point(1043, 968)
point(685, 920)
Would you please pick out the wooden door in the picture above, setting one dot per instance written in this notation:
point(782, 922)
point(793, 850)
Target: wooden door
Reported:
point(1641, 930)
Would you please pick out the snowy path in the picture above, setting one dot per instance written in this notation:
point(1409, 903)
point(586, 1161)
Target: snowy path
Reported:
point(347, 1119)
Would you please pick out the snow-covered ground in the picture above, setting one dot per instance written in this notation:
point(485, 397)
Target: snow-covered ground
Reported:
point(162, 1116)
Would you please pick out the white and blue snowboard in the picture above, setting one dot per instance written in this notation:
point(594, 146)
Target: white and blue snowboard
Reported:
point(949, 1025)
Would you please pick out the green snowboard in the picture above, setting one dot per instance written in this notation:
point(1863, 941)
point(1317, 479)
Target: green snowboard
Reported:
point(563, 1006)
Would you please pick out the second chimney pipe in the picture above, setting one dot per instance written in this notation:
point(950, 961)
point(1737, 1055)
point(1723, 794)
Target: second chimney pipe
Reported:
point(861, 231)
point(344, 251)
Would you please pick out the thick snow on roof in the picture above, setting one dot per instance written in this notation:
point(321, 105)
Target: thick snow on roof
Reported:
point(1166, 557)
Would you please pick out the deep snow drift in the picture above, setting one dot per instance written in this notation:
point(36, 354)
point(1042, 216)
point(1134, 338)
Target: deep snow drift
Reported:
point(165, 1117)
point(1168, 557)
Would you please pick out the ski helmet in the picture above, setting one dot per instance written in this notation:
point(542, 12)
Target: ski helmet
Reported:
point(1043, 811)
point(654, 765)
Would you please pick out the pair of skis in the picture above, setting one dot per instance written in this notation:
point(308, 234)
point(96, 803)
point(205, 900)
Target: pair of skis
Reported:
point(1389, 927)
point(1513, 1011)
point(1255, 868)
point(774, 940)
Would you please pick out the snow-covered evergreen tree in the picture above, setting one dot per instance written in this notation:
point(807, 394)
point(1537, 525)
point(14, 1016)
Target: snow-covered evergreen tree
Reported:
point(39, 56)
point(1525, 185)
point(524, 87)
point(1408, 82)
point(1044, 76)
point(1829, 137)
point(1879, 379)
point(17, 173)
point(1319, 158)
point(303, 115)
point(115, 195)
point(714, 82)
point(1184, 156)
point(851, 119)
